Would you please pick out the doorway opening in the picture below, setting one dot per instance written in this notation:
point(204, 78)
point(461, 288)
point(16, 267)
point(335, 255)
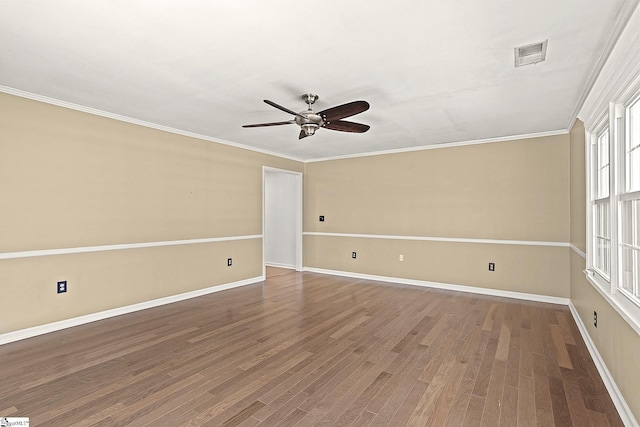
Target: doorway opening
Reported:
point(281, 218)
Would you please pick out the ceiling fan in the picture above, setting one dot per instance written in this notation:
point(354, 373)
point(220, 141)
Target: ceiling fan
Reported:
point(310, 121)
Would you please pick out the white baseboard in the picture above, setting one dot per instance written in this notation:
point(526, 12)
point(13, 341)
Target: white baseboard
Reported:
point(445, 286)
point(275, 264)
point(621, 405)
point(76, 321)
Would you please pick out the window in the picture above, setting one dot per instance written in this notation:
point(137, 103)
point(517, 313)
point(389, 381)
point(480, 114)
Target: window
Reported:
point(629, 208)
point(611, 116)
point(600, 204)
point(614, 203)
point(613, 250)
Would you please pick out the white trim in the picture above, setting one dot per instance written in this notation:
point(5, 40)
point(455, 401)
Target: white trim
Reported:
point(278, 170)
point(587, 200)
point(445, 286)
point(299, 218)
point(617, 300)
point(622, 20)
point(578, 251)
point(275, 264)
point(444, 145)
point(85, 249)
point(441, 239)
point(101, 113)
point(618, 399)
point(621, 68)
point(76, 321)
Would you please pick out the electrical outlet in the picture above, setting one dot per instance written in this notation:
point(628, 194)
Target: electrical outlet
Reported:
point(353, 255)
point(492, 266)
point(229, 262)
point(62, 286)
point(595, 318)
point(401, 257)
point(321, 218)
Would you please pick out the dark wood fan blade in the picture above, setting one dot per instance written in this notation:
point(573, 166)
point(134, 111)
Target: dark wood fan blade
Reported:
point(344, 110)
point(281, 108)
point(258, 125)
point(302, 134)
point(345, 126)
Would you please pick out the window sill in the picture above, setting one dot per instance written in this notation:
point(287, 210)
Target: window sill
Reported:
point(629, 311)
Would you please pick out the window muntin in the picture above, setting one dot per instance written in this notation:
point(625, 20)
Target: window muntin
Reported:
point(632, 148)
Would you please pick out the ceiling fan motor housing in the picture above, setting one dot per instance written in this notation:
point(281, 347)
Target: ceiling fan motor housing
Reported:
point(309, 121)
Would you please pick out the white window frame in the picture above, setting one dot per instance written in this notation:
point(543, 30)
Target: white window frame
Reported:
point(594, 198)
point(609, 285)
point(617, 83)
point(626, 195)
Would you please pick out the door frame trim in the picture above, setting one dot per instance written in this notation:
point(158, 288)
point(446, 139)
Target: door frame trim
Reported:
point(299, 205)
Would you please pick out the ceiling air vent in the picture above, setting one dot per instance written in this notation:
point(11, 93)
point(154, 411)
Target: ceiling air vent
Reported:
point(531, 53)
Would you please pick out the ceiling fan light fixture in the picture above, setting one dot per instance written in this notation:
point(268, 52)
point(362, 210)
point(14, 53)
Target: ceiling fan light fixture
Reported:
point(309, 128)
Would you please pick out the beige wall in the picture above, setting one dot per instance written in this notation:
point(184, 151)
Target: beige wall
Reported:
point(514, 190)
point(70, 179)
point(616, 341)
point(528, 269)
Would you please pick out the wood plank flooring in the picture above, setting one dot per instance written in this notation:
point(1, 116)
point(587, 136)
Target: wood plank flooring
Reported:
point(308, 349)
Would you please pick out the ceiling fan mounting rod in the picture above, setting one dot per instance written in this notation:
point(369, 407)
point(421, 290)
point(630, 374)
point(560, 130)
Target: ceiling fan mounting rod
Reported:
point(310, 99)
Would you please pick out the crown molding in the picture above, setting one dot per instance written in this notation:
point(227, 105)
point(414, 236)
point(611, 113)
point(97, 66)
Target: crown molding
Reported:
point(445, 145)
point(620, 71)
point(622, 20)
point(113, 116)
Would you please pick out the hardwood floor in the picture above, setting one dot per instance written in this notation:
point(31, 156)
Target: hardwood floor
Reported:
point(309, 349)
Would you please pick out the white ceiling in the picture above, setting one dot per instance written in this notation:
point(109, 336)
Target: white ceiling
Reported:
point(433, 72)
